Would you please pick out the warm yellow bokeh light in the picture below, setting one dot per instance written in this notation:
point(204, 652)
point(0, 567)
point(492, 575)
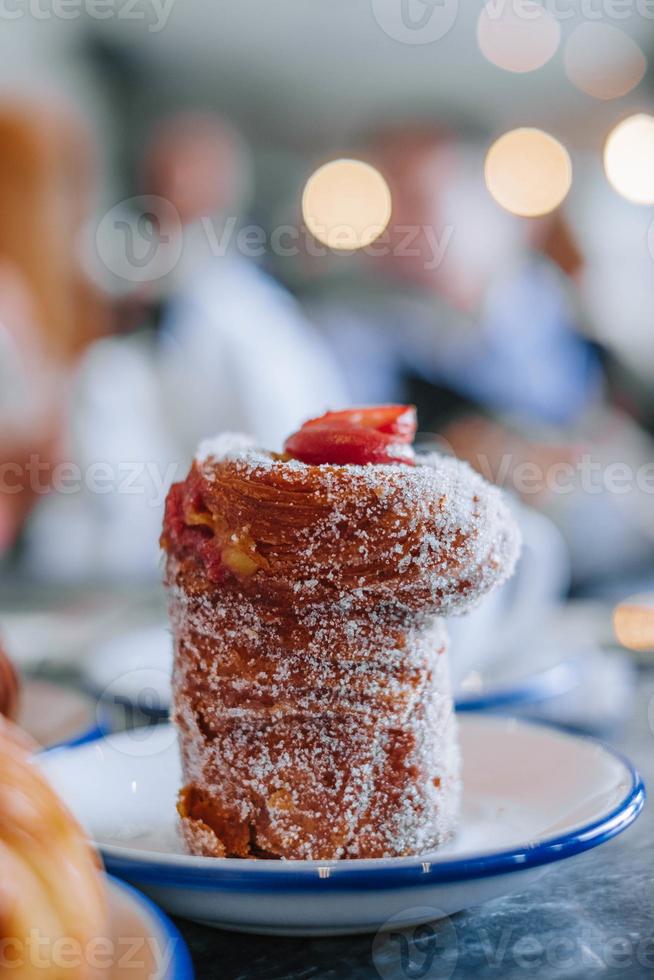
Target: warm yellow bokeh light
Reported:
point(519, 36)
point(633, 623)
point(603, 61)
point(629, 159)
point(346, 204)
point(528, 172)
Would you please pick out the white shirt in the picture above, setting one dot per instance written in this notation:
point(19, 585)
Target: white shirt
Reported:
point(235, 354)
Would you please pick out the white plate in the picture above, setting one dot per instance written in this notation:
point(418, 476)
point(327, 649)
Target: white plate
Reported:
point(532, 795)
point(143, 942)
point(131, 672)
point(55, 715)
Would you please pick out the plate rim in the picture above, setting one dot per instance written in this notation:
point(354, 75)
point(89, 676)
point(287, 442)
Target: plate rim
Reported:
point(543, 685)
point(233, 874)
point(180, 966)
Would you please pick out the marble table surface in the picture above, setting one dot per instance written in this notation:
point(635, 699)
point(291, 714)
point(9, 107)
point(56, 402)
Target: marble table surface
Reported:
point(592, 916)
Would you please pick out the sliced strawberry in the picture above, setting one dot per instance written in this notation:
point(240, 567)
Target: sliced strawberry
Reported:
point(396, 420)
point(343, 442)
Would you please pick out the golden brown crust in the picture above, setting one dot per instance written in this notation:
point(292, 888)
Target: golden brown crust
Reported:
point(311, 689)
point(309, 735)
point(432, 538)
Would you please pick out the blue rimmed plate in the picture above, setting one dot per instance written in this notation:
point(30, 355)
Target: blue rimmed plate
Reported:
point(533, 795)
point(143, 942)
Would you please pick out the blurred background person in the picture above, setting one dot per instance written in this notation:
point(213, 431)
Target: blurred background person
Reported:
point(449, 289)
point(204, 342)
point(237, 351)
point(48, 309)
point(476, 316)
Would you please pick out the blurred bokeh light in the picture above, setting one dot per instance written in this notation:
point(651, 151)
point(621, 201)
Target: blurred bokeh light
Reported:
point(603, 61)
point(346, 204)
point(528, 172)
point(518, 37)
point(629, 158)
point(633, 623)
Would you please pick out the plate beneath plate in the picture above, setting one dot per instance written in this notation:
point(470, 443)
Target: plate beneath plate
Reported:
point(144, 943)
point(533, 795)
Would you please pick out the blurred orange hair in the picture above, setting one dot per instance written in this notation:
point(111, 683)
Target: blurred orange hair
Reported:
point(45, 177)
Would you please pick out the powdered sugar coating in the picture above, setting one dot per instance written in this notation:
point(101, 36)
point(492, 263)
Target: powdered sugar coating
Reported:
point(312, 742)
point(223, 446)
point(435, 536)
point(311, 688)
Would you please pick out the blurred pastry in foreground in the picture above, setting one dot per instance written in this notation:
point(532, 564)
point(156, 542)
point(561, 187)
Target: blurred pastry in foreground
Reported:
point(9, 687)
point(52, 898)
